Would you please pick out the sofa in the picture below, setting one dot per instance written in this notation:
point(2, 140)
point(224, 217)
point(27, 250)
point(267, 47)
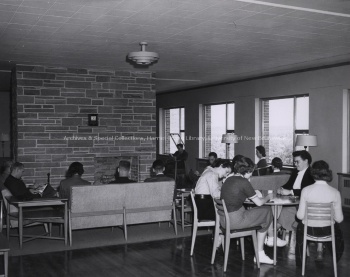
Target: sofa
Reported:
point(269, 182)
point(95, 206)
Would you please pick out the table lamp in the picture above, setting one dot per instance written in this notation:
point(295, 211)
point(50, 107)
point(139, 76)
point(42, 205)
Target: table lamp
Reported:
point(228, 139)
point(306, 140)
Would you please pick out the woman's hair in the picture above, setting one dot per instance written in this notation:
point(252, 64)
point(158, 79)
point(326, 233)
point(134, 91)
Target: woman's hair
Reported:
point(243, 166)
point(303, 154)
point(277, 162)
point(235, 159)
point(220, 162)
point(261, 150)
point(320, 171)
point(75, 168)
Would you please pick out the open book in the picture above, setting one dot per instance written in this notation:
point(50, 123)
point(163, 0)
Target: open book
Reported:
point(40, 189)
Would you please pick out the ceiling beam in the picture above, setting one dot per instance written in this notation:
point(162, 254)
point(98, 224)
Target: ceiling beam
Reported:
point(294, 8)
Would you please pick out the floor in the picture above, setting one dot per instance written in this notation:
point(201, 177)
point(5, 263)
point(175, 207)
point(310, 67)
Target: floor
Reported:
point(171, 257)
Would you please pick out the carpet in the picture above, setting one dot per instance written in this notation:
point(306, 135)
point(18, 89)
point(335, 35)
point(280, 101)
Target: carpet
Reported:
point(98, 237)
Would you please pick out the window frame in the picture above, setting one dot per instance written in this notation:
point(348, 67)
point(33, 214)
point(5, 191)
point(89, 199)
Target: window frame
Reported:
point(164, 127)
point(226, 123)
point(295, 131)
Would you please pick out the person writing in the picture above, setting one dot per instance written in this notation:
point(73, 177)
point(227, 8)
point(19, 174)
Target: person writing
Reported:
point(209, 183)
point(235, 191)
point(298, 180)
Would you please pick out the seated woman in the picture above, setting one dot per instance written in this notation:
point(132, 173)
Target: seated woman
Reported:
point(320, 192)
point(234, 191)
point(209, 183)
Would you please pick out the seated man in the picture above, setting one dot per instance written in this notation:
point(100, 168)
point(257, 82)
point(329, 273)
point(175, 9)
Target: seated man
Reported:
point(73, 177)
point(18, 188)
point(212, 157)
point(122, 173)
point(158, 168)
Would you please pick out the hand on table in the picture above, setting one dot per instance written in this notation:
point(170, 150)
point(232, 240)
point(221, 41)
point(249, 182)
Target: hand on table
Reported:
point(282, 191)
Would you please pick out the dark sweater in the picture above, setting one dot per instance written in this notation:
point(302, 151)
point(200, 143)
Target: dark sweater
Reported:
point(18, 189)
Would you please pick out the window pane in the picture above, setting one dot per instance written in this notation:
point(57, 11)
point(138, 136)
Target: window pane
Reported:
point(174, 127)
point(215, 128)
point(182, 112)
point(302, 113)
point(231, 116)
point(278, 129)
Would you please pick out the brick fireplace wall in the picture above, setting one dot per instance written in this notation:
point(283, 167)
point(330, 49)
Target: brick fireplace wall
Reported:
point(53, 104)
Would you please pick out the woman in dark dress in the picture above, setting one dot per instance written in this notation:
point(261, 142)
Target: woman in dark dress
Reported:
point(235, 191)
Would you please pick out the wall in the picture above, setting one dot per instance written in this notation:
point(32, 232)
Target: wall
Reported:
point(52, 122)
point(324, 86)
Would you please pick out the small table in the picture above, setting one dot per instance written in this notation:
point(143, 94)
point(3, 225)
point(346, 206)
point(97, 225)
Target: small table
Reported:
point(37, 216)
point(278, 201)
point(183, 208)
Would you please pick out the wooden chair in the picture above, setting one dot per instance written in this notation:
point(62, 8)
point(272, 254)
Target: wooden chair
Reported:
point(184, 210)
point(198, 223)
point(321, 212)
point(228, 234)
point(4, 250)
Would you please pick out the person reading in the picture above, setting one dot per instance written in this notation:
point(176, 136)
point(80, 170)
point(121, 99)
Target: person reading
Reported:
point(17, 187)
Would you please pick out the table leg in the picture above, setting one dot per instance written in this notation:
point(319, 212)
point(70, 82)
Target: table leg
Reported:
point(275, 236)
point(6, 262)
point(66, 224)
point(20, 226)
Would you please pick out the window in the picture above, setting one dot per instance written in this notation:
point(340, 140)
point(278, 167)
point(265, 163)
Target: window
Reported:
point(282, 120)
point(219, 119)
point(174, 120)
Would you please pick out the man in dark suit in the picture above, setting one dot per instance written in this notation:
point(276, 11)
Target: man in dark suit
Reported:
point(158, 168)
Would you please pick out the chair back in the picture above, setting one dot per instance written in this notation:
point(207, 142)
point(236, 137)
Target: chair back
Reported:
point(221, 211)
point(194, 206)
point(316, 212)
point(204, 207)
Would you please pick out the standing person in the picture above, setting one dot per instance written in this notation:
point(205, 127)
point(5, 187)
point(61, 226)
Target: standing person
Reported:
point(158, 168)
point(122, 173)
point(73, 178)
point(18, 188)
point(320, 192)
point(209, 183)
point(299, 179)
point(235, 191)
point(261, 154)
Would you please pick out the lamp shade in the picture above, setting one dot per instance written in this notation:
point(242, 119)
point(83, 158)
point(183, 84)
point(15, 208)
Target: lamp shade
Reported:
point(306, 140)
point(229, 138)
point(4, 137)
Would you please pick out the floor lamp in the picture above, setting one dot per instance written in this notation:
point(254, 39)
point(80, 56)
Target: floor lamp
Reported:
point(228, 139)
point(306, 140)
point(3, 139)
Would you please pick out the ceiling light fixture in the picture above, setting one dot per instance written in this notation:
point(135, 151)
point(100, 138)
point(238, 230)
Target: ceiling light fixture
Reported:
point(143, 57)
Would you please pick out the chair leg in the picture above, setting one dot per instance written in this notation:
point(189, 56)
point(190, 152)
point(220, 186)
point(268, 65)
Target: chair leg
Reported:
point(256, 250)
point(125, 226)
point(227, 249)
point(6, 261)
point(194, 234)
point(242, 247)
point(304, 256)
point(216, 238)
point(175, 222)
point(46, 227)
point(50, 229)
point(334, 257)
